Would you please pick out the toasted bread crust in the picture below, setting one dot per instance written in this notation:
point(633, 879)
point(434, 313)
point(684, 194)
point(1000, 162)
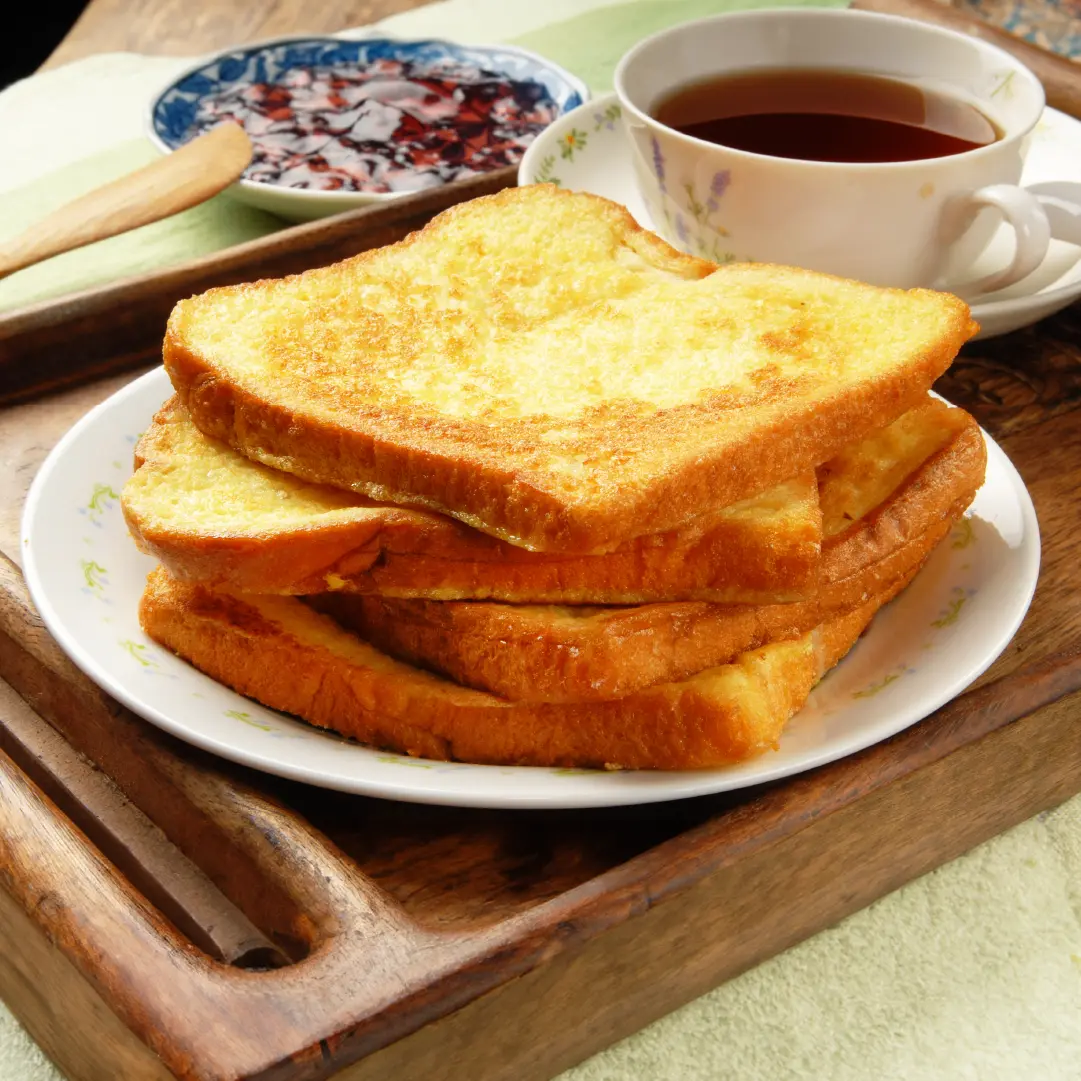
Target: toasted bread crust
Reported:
point(647, 469)
point(946, 479)
point(764, 549)
point(280, 652)
point(539, 654)
point(936, 458)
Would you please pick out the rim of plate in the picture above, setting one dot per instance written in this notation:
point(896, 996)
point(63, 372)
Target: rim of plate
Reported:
point(615, 789)
point(544, 143)
point(317, 197)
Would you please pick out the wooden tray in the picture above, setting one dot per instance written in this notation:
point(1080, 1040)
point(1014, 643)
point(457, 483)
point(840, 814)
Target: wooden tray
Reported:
point(166, 914)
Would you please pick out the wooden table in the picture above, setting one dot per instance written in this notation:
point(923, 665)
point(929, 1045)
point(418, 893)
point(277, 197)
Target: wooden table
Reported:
point(191, 27)
point(164, 914)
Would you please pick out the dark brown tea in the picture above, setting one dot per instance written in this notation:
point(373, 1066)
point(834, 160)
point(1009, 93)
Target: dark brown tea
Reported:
point(822, 115)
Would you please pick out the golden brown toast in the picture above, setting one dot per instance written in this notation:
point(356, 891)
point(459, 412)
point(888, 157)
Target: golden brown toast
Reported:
point(883, 491)
point(280, 652)
point(213, 516)
point(547, 653)
point(889, 501)
point(536, 365)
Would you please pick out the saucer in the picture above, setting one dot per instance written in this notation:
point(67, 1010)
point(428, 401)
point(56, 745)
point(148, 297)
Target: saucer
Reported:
point(586, 150)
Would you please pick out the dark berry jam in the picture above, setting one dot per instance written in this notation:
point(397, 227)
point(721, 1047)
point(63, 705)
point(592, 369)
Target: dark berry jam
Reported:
point(391, 126)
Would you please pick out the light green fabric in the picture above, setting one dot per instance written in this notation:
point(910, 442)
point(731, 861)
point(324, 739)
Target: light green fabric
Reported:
point(591, 43)
point(217, 223)
point(972, 972)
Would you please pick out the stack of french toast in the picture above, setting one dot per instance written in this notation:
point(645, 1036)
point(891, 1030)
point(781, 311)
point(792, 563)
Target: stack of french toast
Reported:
point(531, 487)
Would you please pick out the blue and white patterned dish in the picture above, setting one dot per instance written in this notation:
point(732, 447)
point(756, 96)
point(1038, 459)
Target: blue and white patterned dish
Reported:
point(180, 110)
point(86, 577)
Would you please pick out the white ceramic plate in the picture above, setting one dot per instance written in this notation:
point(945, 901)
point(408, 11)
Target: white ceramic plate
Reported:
point(86, 576)
point(586, 151)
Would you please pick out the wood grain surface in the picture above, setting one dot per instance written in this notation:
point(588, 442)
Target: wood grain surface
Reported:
point(139, 850)
point(68, 1018)
point(192, 27)
point(408, 941)
point(163, 913)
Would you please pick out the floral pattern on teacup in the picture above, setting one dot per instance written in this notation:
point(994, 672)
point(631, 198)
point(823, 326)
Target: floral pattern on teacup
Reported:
point(687, 215)
point(658, 163)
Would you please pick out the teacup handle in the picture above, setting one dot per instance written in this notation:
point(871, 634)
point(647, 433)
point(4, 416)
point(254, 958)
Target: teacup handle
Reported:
point(1022, 210)
point(1061, 202)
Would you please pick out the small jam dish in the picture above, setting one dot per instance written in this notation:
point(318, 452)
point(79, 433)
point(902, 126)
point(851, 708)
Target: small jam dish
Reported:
point(338, 124)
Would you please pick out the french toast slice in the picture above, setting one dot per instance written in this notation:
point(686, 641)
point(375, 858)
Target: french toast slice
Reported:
point(209, 514)
point(538, 366)
point(553, 653)
point(887, 503)
point(280, 652)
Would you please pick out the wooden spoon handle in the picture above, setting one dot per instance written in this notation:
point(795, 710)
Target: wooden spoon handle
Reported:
point(1061, 77)
point(183, 179)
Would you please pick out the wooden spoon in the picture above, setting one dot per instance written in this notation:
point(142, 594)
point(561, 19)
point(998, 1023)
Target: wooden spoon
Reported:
point(183, 179)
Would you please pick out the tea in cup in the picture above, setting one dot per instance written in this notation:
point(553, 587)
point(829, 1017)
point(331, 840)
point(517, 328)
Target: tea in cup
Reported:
point(864, 145)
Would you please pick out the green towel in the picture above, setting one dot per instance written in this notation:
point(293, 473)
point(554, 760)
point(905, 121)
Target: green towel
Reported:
point(217, 223)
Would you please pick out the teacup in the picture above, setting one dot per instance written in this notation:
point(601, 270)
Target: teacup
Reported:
point(903, 223)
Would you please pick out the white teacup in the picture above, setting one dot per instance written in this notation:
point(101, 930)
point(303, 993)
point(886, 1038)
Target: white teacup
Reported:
point(905, 223)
